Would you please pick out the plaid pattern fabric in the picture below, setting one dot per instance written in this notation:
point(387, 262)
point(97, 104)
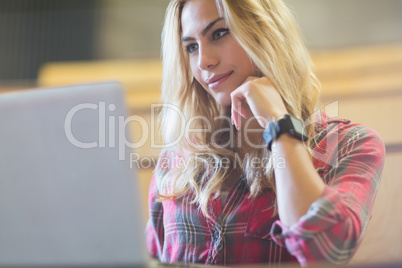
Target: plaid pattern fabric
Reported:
point(348, 157)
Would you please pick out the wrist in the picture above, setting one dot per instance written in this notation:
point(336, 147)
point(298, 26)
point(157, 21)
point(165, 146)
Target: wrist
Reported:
point(285, 141)
point(287, 125)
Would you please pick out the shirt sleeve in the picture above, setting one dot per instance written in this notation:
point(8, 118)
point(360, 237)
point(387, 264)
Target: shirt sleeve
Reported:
point(334, 225)
point(154, 229)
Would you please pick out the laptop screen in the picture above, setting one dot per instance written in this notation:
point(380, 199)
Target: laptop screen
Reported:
point(67, 192)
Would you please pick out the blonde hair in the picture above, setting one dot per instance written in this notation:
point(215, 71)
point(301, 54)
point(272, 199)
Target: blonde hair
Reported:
point(268, 33)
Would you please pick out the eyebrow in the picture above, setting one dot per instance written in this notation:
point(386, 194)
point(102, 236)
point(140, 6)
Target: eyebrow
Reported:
point(205, 30)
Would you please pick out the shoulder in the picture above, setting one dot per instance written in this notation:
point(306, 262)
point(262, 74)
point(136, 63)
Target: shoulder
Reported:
point(342, 132)
point(338, 138)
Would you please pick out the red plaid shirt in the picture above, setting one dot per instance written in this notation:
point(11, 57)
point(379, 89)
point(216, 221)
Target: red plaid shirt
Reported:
point(348, 157)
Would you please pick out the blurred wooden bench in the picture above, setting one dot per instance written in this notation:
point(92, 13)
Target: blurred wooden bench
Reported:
point(362, 84)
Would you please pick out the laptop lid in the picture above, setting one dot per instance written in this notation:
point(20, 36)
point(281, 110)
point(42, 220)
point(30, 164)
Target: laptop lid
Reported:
point(67, 193)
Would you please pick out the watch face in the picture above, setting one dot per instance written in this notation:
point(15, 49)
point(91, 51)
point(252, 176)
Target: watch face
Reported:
point(297, 124)
point(288, 124)
point(299, 128)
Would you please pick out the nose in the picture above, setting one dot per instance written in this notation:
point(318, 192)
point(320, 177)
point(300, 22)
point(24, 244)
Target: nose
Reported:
point(208, 58)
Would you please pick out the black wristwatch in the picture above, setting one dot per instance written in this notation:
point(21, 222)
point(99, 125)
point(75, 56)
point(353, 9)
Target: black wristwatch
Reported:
point(287, 124)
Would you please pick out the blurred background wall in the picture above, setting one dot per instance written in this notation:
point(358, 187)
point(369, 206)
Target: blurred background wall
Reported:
point(356, 46)
point(33, 32)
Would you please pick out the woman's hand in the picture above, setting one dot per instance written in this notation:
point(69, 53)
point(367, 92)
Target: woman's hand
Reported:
point(263, 99)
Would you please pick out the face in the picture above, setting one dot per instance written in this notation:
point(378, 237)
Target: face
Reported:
point(217, 61)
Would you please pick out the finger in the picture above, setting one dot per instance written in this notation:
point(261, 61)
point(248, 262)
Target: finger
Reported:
point(242, 112)
point(238, 111)
point(238, 98)
point(238, 108)
point(262, 121)
point(236, 114)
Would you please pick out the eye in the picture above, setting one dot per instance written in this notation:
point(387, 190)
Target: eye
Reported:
point(218, 34)
point(191, 48)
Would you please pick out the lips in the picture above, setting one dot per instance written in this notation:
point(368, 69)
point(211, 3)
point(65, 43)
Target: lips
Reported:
point(217, 78)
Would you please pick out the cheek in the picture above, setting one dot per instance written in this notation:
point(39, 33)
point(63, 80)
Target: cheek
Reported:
point(244, 61)
point(239, 58)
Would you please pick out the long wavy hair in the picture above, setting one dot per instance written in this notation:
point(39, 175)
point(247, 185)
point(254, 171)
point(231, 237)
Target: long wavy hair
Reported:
point(267, 31)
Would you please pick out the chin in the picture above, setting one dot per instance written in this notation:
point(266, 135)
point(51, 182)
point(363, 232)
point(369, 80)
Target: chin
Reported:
point(223, 101)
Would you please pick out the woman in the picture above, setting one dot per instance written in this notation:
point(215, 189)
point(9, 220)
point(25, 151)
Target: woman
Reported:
point(263, 190)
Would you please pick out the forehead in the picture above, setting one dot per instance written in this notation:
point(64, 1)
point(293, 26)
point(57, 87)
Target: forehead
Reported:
point(196, 14)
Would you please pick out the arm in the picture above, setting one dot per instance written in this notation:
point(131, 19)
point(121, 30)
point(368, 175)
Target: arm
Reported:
point(318, 222)
point(334, 225)
point(298, 185)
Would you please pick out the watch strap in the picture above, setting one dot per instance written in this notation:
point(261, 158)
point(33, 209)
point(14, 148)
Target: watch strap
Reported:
point(284, 125)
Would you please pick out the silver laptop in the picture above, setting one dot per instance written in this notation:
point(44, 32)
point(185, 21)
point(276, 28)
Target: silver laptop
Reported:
point(68, 195)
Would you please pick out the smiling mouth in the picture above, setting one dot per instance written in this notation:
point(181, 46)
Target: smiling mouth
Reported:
point(217, 80)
